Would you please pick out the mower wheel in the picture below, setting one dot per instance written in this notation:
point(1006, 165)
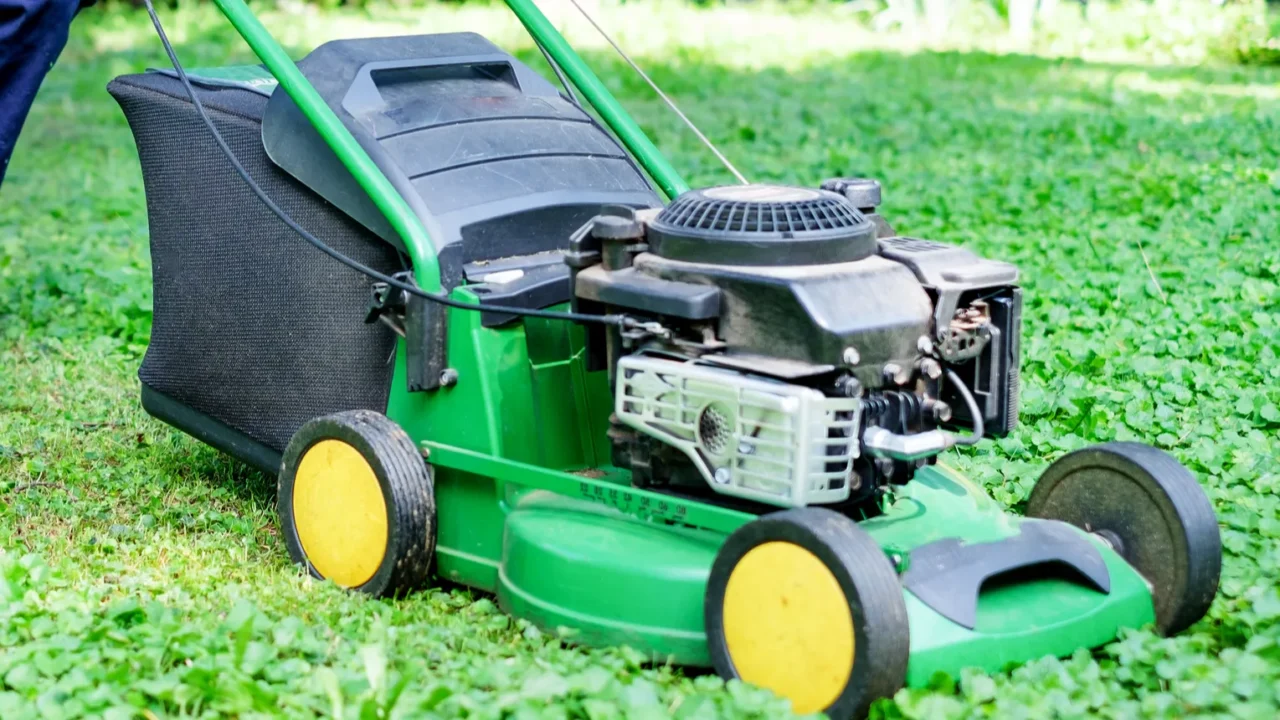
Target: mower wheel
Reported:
point(357, 503)
point(1152, 511)
point(803, 602)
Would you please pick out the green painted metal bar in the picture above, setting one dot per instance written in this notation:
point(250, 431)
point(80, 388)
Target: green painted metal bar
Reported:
point(639, 503)
point(402, 219)
point(645, 152)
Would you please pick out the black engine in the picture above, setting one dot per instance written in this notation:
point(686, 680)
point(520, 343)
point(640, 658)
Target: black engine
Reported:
point(788, 347)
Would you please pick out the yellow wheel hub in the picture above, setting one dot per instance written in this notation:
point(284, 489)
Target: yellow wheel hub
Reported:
point(788, 626)
point(339, 513)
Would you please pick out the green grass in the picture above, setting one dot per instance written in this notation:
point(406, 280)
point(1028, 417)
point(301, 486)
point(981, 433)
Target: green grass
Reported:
point(143, 575)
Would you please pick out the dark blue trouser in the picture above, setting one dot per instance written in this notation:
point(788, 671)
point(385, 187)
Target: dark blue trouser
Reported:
point(32, 35)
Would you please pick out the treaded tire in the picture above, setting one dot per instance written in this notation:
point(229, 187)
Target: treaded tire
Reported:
point(867, 579)
point(405, 480)
point(1146, 500)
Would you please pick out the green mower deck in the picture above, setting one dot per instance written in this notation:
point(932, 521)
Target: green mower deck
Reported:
point(578, 548)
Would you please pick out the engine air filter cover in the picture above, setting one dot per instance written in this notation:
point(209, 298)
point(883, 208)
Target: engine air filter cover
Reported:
point(762, 225)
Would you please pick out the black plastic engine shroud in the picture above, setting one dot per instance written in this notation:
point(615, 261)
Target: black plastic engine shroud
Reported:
point(812, 313)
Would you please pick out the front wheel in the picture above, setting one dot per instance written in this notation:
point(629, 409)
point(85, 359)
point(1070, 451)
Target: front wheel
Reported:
point(804, 603)
point(1152, 511)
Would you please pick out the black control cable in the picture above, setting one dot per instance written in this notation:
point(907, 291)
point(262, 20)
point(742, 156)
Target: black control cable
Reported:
point(555, 68)
point(614, 320)
point(979, 427)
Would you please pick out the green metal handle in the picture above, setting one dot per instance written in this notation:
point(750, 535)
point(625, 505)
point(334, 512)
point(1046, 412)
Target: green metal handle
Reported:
point(393, 206)
point(645, 152)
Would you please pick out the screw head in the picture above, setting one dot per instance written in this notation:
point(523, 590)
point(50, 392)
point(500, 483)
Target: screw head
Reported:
point(851, 356)
point(931, 368)
point(449, 377)
point(896, 373)
point(721, 476)
point(849, 386)
point(745, 448)
point(941, 411)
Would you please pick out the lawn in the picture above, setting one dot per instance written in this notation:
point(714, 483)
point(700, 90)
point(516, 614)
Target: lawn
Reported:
point(142, 574)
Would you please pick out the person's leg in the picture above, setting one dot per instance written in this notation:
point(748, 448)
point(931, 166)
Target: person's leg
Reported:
point(32, 35)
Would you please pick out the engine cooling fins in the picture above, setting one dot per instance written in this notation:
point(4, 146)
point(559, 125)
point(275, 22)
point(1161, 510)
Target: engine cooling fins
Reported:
point(758, 225)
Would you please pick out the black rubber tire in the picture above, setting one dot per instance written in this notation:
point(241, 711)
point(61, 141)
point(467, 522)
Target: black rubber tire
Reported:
point(407, 488)
point(865, 575)
point(1152, 510)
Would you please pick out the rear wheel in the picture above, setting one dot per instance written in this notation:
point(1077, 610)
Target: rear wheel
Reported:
point(1152, 511)
point(356, 503)
point(803, 602)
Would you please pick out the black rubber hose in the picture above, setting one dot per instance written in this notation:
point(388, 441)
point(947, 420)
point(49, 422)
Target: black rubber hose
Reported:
point(979, 427)
point(615, 320)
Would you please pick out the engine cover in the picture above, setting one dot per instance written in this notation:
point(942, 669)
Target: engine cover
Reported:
point(789, 275)
point(813, 313)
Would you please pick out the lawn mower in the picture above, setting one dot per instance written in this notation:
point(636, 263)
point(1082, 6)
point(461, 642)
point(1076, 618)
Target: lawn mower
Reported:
point(522, 355)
